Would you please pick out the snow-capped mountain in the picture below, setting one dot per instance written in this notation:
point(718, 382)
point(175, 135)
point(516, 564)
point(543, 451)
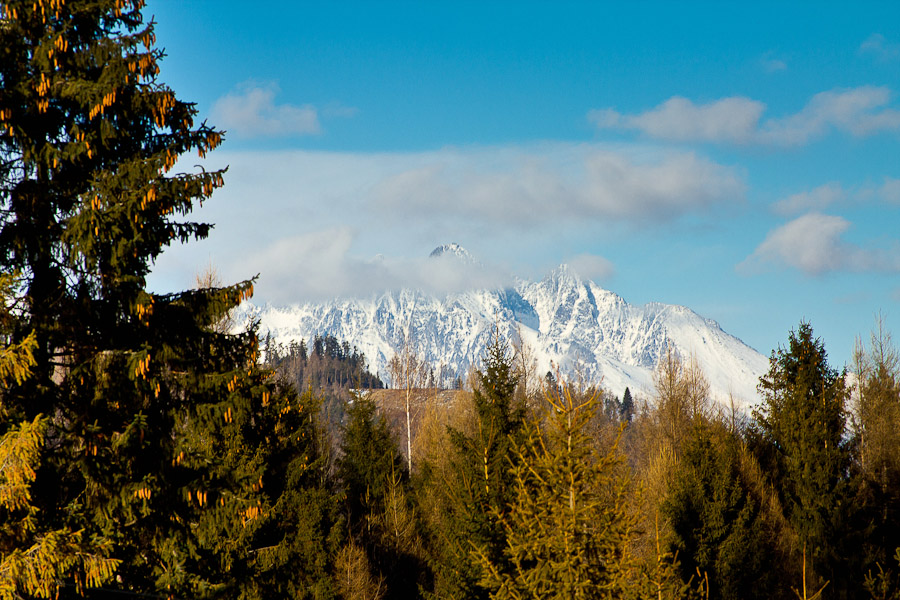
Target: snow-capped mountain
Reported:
point(454, 251)
point(566, 321)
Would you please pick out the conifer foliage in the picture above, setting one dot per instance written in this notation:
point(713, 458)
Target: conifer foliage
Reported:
point(717, 529)
point(377, 487)
point(567, 525)
point(32, 563)
point(480, 489)
point(153, 434)
point(802, 420)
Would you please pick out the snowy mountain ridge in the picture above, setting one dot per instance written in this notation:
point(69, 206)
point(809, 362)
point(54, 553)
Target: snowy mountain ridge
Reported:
point(567, 322)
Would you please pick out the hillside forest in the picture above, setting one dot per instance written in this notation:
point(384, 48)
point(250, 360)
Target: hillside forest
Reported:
point(148, 451)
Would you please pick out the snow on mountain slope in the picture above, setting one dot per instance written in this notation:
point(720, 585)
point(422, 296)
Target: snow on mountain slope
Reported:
point(574, 324)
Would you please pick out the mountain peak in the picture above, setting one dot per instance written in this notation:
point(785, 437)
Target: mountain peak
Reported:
point(451, 248)
point(454, 250)
point(563, 276)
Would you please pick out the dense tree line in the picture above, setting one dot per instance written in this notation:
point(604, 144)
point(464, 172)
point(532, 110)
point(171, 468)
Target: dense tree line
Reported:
point(327, 363)
point(145, 451)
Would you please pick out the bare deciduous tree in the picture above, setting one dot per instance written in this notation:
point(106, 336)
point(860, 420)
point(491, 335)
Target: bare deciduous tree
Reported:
point(354, 575)
point(209, 278)
point(408, 373)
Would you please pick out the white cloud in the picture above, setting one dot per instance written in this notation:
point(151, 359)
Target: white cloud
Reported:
point(591, 266)
point(817, 199)
point(252, 112)
point(309, 221)
point(859, 111)
point(812, 243)
point(527, 190)
point(877, 45)
point(336, 109)
point(833, 193)
point(321, 265)
point(676, 185)
point(730, 119)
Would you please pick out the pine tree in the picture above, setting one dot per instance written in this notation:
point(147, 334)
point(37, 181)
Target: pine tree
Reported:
point(165, 444)
point(802, 420)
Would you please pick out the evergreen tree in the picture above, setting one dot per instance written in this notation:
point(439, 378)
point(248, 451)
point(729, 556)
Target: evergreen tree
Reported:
point(32, 563)
point(626, 408)
point(369, 458)
point(716, 523)
point(376, 485)
point(157, 436)
point(802, 421)
point(480, 487)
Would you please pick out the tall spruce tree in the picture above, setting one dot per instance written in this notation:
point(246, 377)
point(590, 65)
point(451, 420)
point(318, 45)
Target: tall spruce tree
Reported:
point(369, 458)
point(163, 443)
point(802, 421)
point(480, 487)
point(626, 408)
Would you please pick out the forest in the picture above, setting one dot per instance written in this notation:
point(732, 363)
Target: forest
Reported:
point(147, 451)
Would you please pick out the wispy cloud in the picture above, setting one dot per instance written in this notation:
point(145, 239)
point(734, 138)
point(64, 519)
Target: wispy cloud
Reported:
point(813, 244)
point(817, 199)
point(878, 46)
point(311, 222)
point(336, 109)
point(834, 194)
point(531, 191)
point(679, 119)
point(251, 111)
point(890, 190)
point(321, 265)
point(770, 64)
point(591, 266)
point(858, 111)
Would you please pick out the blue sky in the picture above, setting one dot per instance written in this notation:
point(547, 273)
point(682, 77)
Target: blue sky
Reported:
point(738, 159)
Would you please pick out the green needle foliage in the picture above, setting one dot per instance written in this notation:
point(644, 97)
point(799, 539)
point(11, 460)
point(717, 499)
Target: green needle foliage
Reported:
point(32, 561)
point(802, 422)
point(382, 520)
point(154, 437)
point(716, 523)
point(369, 462)
point(479, 488)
